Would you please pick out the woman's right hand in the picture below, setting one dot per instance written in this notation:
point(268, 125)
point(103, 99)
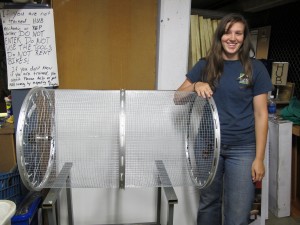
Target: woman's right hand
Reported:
point(203, 89)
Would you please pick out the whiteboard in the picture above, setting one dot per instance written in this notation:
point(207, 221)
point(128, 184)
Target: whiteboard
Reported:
point(29, 38)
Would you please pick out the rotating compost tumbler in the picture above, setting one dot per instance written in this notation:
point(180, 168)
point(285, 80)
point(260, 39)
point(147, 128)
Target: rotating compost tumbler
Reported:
point(113, 138)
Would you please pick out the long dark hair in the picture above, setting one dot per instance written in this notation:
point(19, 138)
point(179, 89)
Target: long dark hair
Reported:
point(215, 62)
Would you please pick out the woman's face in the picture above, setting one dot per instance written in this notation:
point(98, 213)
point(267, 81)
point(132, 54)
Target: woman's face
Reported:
point(232, 40)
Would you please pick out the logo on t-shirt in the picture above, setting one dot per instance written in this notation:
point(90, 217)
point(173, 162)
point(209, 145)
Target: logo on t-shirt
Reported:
point(243, 79)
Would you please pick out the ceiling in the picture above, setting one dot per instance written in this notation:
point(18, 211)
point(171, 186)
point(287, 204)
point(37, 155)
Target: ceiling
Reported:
point(248, 6)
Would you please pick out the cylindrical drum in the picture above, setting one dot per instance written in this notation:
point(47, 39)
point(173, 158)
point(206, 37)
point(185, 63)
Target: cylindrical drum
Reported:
point(117, 137)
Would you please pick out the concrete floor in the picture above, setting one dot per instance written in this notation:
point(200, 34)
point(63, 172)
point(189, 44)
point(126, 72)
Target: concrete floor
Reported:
point(273, 220)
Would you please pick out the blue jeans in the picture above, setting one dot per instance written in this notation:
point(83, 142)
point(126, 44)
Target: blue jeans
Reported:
point(233, 180)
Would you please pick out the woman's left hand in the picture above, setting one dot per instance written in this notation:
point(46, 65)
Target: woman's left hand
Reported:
point(258, 170)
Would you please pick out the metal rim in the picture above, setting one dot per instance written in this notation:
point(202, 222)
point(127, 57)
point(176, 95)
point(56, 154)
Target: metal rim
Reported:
point(28, 110)
point(217, 139)
point(217, 135)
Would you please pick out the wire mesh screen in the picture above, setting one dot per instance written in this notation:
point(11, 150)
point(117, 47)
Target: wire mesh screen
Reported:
point(117, 136)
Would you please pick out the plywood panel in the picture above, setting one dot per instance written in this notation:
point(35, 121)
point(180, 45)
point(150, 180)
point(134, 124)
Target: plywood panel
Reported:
point(106, 44)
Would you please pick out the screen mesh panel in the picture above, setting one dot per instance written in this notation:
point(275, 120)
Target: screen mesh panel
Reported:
point(94, 129)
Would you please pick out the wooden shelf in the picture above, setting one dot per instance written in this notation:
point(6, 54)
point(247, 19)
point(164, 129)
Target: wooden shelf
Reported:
point(296, 130)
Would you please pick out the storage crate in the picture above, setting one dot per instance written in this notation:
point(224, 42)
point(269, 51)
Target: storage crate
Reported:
point(10, 186)
point(27, 211)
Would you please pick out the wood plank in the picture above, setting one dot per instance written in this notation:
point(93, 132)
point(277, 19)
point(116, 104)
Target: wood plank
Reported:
point(206, 36)
point(106, 44)
point(296, 130)
point(210, 31)
point(215, 24)
point(202, 36)
point(192, 39)
point(195, 39)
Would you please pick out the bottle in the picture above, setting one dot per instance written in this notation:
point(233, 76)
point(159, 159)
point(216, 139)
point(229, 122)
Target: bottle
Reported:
point(8, 106)
point(10, 116)
point(272, 107)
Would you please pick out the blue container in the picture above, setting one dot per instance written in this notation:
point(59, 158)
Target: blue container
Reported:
point(27, 211)
point(10, 186)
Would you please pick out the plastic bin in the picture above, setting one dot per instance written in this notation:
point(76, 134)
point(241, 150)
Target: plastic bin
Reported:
point(7, 210)
point(27, 211)
point(10, 186)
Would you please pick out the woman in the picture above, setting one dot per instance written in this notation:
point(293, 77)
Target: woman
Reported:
point(239, 86)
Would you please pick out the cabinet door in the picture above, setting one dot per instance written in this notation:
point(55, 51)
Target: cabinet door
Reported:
point(106, 44)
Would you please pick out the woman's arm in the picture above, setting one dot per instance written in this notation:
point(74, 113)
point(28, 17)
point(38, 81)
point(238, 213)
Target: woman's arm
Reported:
point(261, 132)
point(203, 89)
point(182, 94)
point(187, 85)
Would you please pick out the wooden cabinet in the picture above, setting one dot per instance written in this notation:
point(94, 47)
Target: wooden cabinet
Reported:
point(7, 147)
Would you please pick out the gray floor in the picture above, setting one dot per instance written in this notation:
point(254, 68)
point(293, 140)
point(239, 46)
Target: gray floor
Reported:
point(281, 221)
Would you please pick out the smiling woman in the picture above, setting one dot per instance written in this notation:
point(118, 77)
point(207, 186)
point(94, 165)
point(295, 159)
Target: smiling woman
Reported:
point(239, 86)
point(232, 40)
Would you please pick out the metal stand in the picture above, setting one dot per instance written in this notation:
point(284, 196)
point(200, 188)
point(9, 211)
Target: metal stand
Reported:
point(169, 192)
point(50, 203)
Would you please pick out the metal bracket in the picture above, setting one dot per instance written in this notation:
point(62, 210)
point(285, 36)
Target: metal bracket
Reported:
point(122, 117)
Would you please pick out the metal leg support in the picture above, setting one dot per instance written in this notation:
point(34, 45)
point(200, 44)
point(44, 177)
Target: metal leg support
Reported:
point(50, 202)
point(51, 214)
point(63, 179)
point(69, 202)
point(169, 191)
point(170, 214)
point(158, 208)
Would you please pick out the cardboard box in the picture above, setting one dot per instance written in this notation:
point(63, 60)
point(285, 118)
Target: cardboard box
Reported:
point(285, 93)
point(280, 167)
